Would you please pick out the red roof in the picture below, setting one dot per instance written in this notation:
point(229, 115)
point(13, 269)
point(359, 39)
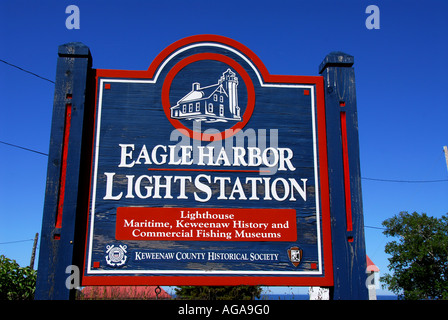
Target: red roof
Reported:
point(123, 292)
point(371, 267)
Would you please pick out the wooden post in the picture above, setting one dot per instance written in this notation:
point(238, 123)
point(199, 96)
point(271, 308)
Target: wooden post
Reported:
point(347, 225)
point(33, 252)
point(64, 172)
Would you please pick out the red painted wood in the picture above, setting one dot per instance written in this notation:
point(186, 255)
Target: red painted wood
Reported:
point(348, 201)
point(68, 115)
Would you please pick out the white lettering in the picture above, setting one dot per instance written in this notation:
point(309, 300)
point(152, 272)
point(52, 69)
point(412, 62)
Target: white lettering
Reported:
point(182, 185)
point(154, 155)
point(143, 155)
point(109, 186)
point(158, 185)
point(138, 187)
point(125, 154)
point(286, 159)
point(203, 187)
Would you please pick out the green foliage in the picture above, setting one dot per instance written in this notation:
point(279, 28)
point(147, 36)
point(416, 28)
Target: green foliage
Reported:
point(218, 293)
point(419, 256)
point(16, 283)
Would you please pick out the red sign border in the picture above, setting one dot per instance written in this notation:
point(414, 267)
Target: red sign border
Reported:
point(209, 56)
point(225, 280)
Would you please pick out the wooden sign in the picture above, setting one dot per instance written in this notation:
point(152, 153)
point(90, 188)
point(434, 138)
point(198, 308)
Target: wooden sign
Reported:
point(208, 170)
point(204, 169)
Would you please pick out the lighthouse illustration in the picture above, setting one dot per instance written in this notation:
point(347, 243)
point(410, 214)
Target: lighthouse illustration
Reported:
point(214, 103)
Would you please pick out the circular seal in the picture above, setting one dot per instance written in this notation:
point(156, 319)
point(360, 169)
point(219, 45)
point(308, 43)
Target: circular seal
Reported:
point(208, 96)
point(116, 256)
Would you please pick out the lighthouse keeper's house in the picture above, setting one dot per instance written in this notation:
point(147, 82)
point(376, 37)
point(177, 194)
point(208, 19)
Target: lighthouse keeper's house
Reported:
point(213, 103)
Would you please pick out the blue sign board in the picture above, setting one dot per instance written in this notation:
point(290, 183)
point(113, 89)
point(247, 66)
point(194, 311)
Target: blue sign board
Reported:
point(208, 170)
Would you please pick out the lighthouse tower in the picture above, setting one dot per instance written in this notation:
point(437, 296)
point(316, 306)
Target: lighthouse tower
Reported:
point(230, 83)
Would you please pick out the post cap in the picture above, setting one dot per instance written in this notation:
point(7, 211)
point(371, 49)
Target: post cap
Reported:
point(337, 59)
point(74, 49)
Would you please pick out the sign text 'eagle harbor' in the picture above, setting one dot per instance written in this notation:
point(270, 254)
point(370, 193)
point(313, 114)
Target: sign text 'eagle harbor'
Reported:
point(146, 186)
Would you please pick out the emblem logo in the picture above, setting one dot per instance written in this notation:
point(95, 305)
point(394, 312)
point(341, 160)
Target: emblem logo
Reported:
point(212, 103)
point(295, 255)
point(116, 256)
point(208, 96)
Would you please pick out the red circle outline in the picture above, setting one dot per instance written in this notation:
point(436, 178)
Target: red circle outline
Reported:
point(217, 57)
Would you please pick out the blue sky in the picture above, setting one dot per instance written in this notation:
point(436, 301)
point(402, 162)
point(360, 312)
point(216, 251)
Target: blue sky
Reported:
point(400, 81)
